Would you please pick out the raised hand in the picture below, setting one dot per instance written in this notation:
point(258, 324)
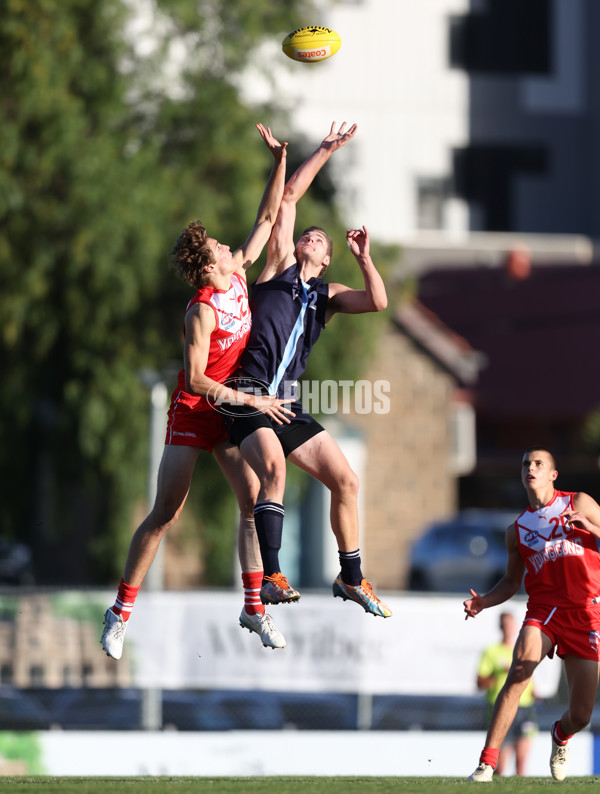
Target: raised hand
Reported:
point(358, 241)
point(335, 140)
point(277, 149)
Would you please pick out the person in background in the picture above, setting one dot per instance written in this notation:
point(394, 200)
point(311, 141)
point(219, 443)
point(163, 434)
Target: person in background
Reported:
point(491, 674)
point(554, 544)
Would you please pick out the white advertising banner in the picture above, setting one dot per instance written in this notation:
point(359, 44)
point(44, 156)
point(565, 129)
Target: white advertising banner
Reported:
point(325, 753)
point(193, 640)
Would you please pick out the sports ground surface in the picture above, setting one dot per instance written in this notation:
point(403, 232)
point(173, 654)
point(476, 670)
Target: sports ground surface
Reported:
point(281, 785)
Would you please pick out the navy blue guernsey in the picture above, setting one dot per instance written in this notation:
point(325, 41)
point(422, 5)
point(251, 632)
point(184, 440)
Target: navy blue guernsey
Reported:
point(288, 316)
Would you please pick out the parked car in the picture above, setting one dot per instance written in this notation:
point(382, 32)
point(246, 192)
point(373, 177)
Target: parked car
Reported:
point(221, 710)
point(319, 711)
point(466, 551)
point(429, 713)
point(21, 711)
point(70, 708)
point(16, 563)
point(121, 708)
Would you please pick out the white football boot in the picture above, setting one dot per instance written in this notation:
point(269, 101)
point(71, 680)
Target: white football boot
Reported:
point(113, 635)
point(483, 774)
point(263, 626)
point(559, 759)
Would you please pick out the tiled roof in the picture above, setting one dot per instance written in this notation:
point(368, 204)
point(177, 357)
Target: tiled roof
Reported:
point(540, 335)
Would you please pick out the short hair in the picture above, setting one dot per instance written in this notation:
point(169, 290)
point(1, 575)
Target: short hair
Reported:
point(506, 616)
point(191, 254)
point(324, 233)
point(542, 449)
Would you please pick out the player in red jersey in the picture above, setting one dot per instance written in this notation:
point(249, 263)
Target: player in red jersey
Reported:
point(216, 328)
point(554, 543)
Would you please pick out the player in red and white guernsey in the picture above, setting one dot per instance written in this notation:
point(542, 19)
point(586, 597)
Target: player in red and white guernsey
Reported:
point(555, 544)
point(216, 328)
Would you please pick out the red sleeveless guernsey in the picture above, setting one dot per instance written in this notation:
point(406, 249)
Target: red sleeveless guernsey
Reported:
point(563, 564)
point(228, 340)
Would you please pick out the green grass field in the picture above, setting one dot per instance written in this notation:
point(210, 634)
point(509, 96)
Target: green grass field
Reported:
point(279, 785)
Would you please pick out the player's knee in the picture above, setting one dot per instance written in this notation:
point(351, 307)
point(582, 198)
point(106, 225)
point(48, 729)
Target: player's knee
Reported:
point(520, 673)
point(164, 516)
point(274, 474)
point(346, 484)
point(246, 503)
point(247, 510)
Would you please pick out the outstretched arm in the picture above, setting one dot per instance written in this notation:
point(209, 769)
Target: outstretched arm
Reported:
point(506, 587)
point(281, 243)
point(199, 325)
point(249, 252)
point(373, 298)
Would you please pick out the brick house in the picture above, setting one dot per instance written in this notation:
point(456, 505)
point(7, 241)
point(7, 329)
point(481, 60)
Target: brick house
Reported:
point(540, 332)
point(414, 453)
point(40, 646)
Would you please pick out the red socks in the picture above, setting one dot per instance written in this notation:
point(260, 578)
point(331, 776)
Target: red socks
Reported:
point(558, 736)
point(489, 755)
point(252, 583)
point(126, 596)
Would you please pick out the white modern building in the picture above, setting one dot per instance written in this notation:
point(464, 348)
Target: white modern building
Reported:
point(477, 115)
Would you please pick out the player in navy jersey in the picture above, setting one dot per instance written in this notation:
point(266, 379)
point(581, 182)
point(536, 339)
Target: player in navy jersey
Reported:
point(216, 327)
point(291, 305)
point(554, 543)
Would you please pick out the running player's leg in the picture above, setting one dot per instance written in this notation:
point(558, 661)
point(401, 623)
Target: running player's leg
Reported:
point(579, 648)
point(531, 647)
point(582, 679)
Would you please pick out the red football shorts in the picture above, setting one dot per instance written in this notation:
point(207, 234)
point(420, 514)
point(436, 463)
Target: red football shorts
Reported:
point(574, 631)
point(193, 423)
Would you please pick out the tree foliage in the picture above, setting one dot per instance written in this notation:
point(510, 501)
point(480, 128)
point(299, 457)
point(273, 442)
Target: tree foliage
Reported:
point(107, 152)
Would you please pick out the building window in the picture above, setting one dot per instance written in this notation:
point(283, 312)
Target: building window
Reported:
point(484, 175)
point(37, 675)
point(69, 676)
point(462, 433)
point(6, 674)
point(507, 37)
point(431, 196)
point(87, 672)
